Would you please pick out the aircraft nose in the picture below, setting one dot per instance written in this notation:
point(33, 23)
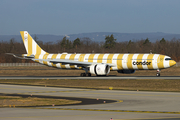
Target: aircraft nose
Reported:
point(172, 63)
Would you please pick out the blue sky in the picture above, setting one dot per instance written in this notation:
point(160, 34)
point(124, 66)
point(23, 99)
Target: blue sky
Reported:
point(63, 17)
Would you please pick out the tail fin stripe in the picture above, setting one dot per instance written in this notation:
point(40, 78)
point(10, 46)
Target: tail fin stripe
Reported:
point(38, 50)
point(26, 41)
point(29, 45)
point(34, 47)
point(43, 52)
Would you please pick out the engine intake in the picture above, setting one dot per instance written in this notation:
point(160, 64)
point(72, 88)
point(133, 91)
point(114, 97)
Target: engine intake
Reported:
point(100, 69)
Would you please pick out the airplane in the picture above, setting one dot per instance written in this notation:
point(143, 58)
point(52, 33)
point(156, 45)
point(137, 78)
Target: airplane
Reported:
point(98, 64)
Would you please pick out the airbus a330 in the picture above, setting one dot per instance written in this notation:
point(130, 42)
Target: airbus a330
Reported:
point(98, 64)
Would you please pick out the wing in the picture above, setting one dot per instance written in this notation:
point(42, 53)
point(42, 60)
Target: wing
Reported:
point(62, 61)
point(72, 62)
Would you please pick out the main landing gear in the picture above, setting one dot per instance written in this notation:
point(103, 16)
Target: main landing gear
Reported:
point(85, 74)
point(158, 73)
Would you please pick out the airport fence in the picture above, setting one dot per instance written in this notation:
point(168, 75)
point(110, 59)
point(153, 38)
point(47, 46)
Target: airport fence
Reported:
point(37, 64)
point(20, 64)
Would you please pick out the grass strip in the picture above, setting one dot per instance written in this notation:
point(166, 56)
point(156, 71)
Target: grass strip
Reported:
point(143, 85)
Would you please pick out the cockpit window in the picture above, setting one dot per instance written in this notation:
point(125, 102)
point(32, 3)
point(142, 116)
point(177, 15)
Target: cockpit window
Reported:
point(168, 59)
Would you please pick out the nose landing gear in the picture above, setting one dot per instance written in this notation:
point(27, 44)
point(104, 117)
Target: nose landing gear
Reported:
point(158, 73)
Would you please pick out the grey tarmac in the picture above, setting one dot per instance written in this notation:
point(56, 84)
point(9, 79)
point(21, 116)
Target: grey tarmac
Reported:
point(93, 77)
point(137, 105)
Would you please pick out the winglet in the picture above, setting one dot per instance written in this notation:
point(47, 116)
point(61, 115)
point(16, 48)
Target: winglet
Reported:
point(32, 48)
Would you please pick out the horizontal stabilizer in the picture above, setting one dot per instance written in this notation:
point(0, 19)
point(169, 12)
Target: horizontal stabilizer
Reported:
point(21, 56)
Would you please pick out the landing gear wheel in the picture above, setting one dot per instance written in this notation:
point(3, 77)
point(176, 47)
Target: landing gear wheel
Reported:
point(89, 74)
point(83, 74)
point(158, 74)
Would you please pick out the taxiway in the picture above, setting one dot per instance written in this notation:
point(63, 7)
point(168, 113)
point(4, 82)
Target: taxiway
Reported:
point(126, 104)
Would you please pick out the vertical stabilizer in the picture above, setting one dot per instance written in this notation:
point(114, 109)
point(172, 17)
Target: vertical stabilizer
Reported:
point(32, 48)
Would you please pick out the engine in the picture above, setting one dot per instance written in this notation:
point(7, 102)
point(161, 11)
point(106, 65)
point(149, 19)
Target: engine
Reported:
point(100, 69)
point(126, 71)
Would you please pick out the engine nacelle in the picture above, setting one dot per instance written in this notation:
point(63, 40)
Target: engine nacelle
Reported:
point(126, 71)
point(99, 69)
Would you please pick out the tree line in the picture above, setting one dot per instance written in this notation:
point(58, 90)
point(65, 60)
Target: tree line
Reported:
point(86, 45)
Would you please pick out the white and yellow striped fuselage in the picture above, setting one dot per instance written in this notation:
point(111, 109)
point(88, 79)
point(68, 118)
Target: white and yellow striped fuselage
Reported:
point(120, 61)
